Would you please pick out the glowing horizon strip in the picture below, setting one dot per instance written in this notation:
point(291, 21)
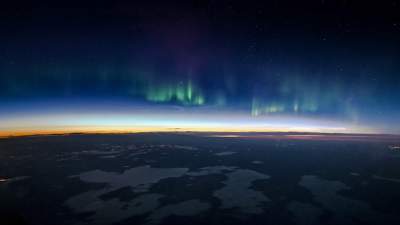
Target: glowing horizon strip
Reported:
point(154, 121)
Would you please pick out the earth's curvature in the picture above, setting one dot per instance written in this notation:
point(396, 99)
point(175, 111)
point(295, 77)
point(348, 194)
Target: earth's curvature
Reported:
point(194, 179)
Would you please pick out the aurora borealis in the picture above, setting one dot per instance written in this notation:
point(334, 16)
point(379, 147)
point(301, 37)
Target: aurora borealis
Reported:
point(315, 66)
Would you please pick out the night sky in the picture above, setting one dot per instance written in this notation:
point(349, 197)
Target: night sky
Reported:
point(326, 66)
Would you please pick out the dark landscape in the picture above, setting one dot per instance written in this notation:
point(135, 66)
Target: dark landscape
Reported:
point(199, 178)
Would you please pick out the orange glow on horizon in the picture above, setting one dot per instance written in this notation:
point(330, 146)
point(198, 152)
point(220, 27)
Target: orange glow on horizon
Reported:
point(116, 130)
point(135, 122)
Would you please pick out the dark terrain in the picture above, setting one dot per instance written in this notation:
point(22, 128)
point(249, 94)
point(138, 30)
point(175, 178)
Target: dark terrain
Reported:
point(169, 178)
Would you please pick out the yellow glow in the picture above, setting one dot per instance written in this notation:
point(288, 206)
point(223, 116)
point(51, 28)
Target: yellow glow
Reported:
point(163, 121)
point(100, 129)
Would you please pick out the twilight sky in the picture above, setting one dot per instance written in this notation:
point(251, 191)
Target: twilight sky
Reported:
point(329, 66)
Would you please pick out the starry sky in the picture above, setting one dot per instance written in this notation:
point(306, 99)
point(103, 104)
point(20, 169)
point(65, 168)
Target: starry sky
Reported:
point(283, 65)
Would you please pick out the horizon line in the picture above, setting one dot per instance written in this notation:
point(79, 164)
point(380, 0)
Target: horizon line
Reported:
point(211, 133)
